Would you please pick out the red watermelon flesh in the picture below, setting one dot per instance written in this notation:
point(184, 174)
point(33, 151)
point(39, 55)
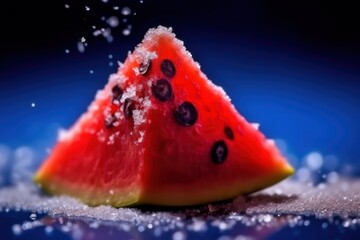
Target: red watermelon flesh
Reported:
point(161, 133)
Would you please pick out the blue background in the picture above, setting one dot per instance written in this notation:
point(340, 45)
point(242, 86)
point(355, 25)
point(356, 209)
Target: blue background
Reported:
point(293, 67)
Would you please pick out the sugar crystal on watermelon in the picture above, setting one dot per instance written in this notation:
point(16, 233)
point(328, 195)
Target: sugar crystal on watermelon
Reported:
point(160, 132)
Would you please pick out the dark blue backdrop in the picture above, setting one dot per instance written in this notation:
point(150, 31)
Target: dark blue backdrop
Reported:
point(292, 67)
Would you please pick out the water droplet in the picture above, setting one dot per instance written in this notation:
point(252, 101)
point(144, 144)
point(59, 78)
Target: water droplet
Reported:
point(126, 32)
point(16, 229)
point(303, 174)
point(125, 11)
point(67, 51)
point(33, 216)
point(97, 33)
point(67, 6)
point(81, 47)
point(94, 225)
point(141, 228)
point(324, 225)
point(87, 8)
point(332, 177)
point(113, 21)
point(33, 104)
point(48, 229)
point(267, 218)
point(346, 223)
point(179, 235)
point(107, 34)
point(314, 160)
point(91, 71)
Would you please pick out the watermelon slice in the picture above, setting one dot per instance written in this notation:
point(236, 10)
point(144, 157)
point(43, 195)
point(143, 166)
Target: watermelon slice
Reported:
point(161, 133)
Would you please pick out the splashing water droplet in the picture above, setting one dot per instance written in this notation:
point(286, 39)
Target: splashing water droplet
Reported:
point(16, 229)
point(126, 32)
point(314, 160)
point(125, 11)
point(48, 229)
point(332, 177)
point(81, 47)
point(97, 33)
point(179, 235)
point(113, 21)
point(303, 175)
point(87, 8)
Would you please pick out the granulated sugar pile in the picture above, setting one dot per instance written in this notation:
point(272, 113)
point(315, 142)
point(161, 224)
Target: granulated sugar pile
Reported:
point(289, 197)
point(286, 204)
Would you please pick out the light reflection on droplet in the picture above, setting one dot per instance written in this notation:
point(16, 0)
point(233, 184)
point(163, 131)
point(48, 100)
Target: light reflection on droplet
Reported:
point(126, 32)
point(314, 160)
point(125, 11)
point(113, 21)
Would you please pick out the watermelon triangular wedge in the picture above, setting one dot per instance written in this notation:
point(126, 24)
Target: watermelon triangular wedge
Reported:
point(161, 133)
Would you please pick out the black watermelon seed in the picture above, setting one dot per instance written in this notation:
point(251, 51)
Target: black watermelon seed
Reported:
point(144, 67)
point(162, 90)
point(109, 121)
point(167, 68)
point(219, 152)
point(117, 93)
point(186, 114)
point(229, 133)
point(128, 108)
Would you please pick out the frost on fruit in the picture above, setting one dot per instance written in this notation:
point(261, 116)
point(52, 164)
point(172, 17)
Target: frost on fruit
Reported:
point(158, 129)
